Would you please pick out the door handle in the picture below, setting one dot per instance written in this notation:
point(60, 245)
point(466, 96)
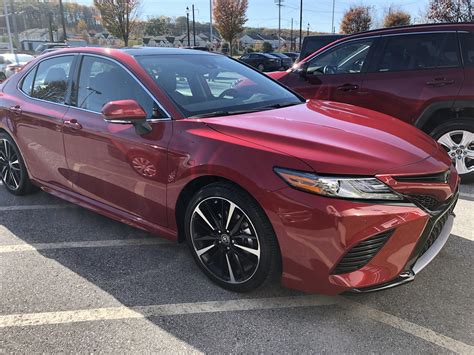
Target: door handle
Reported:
point(15, 109)
point(438, 82)
point(348, 87)
point(73, 124)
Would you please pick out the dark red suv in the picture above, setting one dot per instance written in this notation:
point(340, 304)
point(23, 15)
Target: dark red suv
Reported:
point(422, 74)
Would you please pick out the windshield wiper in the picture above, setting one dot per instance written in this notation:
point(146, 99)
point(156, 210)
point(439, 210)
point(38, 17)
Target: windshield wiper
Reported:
point(238, 112)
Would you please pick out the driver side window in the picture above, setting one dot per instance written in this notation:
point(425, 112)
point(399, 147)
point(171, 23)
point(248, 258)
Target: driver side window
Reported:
point(347, 58)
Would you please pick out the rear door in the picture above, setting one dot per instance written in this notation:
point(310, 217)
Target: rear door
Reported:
point(40, 114)
point(412, 71)
point(335, 74)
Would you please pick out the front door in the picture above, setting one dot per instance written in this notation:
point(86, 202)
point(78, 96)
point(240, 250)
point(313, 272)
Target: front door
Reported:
point(336, 74)
point(111, 163)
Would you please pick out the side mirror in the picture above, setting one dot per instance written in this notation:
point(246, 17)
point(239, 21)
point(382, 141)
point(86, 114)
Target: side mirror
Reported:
point(127, 112)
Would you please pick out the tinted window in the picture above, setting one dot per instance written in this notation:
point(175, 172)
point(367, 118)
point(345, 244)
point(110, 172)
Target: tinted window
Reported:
point(467, 43)
point(346, 58)
point(51, 79)
point(424, 51)
point(27, 83)
point(313, 44)
point(102, 81)
point(205, 84)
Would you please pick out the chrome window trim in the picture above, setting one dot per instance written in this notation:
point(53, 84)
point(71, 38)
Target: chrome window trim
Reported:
point(73, 54)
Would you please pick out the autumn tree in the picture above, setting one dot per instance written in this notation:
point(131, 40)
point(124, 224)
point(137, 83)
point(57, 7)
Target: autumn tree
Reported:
point(229, 17)
point(396, 18)
point(81, 26)
point(118, 16)
point(356, 19)
point(451, 10)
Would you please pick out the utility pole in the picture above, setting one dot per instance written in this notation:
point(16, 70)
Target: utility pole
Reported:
point(332, 25)
point(291, 35)
point(210, 22)
point(50, 20)
point(187, 25)
point(307, 31)
point(15, 28)
point(7, 20)
point(279, 4)
point(194, 29)
point(63, 22)
point(301, 23)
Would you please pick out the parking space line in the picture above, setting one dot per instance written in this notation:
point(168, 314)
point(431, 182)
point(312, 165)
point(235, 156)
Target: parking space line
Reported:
point(407, 326)
point(36, 207)
point(114, 313)
point(82, 244)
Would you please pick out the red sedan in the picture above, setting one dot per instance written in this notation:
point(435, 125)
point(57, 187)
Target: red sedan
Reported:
point(261, 184)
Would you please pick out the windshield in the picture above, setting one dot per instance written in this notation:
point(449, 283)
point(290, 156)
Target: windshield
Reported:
point(203, 85)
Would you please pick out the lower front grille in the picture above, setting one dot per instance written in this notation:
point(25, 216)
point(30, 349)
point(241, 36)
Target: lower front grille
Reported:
point(427, 201)
point(362, 253)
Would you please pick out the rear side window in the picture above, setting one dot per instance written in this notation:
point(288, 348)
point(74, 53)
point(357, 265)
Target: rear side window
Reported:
point(50, 83)
point(420, 51)
point(467, 44)
point(27, 83)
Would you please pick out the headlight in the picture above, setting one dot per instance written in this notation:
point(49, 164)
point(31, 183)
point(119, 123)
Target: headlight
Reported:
point(343, 187)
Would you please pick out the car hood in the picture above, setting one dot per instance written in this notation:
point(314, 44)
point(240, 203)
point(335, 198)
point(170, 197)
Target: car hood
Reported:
point(334, 138)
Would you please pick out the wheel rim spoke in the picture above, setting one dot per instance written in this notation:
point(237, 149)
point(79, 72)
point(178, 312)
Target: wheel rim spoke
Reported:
point(447, 141)
point(231, 256)
point(470, 154)
point(467, 138)
point(461, 166)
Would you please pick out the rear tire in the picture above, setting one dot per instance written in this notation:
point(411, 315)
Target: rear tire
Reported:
point(13, 173)
point(236, 247)
point(457, 138)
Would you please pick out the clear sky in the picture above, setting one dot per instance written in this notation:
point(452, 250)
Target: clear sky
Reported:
point(264, 13)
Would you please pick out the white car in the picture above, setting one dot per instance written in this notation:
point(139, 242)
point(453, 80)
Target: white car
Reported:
point(11, 63)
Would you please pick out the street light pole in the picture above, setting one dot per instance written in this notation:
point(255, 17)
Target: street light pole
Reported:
point(7, 20)
point(291, 35)
point(194, 29)
point(301, 23)
point(332, 23)
point(307, 31)
point(187, 25)
point(210, 22)
point(63, 22)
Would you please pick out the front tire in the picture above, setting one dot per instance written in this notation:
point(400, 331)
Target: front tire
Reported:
point(13, 173)
point(231, 238)
point(457, 138)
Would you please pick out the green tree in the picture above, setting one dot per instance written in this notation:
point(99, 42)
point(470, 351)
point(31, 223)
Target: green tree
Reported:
point(156, 26)
point(267, 47)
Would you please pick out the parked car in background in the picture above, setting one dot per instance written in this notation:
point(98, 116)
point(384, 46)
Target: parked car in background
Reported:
point(286, 62)
point(12, 63)
point(423, 75)
point(312, 44)
point(262, 61)
point(198, 147)
point(199, 48)
point(293, 55)
point(43, 47)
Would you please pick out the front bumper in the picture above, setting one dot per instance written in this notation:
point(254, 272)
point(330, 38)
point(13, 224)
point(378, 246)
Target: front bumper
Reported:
point(315, 233)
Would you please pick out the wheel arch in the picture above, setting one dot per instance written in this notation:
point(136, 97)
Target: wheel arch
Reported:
point(440, 112)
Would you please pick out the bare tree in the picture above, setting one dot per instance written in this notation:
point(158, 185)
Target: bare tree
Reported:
point(118, 16)
point(356, 19)
point(451, 11)
point(396, 18)
point(229, 17)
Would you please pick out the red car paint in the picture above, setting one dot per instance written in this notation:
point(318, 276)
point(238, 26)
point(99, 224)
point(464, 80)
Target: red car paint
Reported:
point(92, 166)
point(412, 95)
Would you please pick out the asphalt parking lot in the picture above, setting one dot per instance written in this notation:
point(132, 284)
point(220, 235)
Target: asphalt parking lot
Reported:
point(74, 281)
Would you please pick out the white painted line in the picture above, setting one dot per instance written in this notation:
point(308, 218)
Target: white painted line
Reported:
point(113, 313)
point(35, 207)
point(81, 244)
point(407, 326)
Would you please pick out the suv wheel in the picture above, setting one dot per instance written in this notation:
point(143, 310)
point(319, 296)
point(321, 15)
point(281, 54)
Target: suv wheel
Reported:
point(13, 172)
point(231, 238)
point(457, 137)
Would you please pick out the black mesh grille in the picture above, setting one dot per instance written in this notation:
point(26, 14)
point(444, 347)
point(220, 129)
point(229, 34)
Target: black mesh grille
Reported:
point(440, 178)
point(362, 253)
point(426, 201)
point(435, 232)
